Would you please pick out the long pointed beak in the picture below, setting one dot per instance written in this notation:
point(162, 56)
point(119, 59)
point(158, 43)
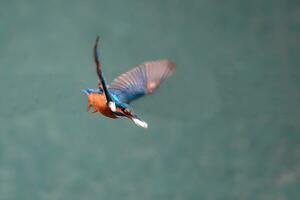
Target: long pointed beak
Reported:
point(84, 91)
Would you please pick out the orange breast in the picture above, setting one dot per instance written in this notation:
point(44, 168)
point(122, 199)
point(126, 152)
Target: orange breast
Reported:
point(99, 103)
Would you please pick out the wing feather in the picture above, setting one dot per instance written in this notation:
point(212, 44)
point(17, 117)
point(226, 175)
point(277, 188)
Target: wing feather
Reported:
point(141, 80)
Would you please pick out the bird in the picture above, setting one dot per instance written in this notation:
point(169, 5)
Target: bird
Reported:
point(113, 100)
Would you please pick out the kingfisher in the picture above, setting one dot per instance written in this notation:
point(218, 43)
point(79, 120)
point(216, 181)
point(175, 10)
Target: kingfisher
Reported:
point(113, 100)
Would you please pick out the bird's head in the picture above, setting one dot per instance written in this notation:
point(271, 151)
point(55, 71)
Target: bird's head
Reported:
point(90, 91)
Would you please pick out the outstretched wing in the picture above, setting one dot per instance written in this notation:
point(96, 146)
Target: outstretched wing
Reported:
point(102, 83)
point(141, 80)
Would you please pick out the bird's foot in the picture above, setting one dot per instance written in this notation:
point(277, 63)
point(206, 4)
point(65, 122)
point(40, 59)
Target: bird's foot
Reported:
point(89, 107)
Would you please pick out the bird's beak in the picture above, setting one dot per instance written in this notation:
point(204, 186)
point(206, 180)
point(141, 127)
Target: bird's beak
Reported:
point(85, 92)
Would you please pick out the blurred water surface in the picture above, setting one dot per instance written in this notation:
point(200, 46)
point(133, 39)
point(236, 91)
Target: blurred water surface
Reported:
point(226, 126)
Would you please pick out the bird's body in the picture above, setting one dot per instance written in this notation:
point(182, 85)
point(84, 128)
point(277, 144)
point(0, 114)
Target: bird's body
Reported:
point(113, 100)
point(99, 103)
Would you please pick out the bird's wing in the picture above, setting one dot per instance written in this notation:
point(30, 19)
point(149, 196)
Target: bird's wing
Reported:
point(141, 80)
point(102, 83)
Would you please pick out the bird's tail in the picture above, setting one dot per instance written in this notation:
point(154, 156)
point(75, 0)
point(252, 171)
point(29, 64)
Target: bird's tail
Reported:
point(139, 122)
point(130, 115)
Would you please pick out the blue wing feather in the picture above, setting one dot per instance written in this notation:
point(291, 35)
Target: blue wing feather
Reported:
point(141, 80)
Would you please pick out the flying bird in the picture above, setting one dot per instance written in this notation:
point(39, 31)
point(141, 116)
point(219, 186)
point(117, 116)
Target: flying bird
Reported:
point(113, 100)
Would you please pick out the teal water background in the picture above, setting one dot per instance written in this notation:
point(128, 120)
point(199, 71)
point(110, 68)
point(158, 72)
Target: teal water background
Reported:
point(225, 126)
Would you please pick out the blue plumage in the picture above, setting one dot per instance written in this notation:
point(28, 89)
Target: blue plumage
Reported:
point(112, 101)
point(141, 80)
